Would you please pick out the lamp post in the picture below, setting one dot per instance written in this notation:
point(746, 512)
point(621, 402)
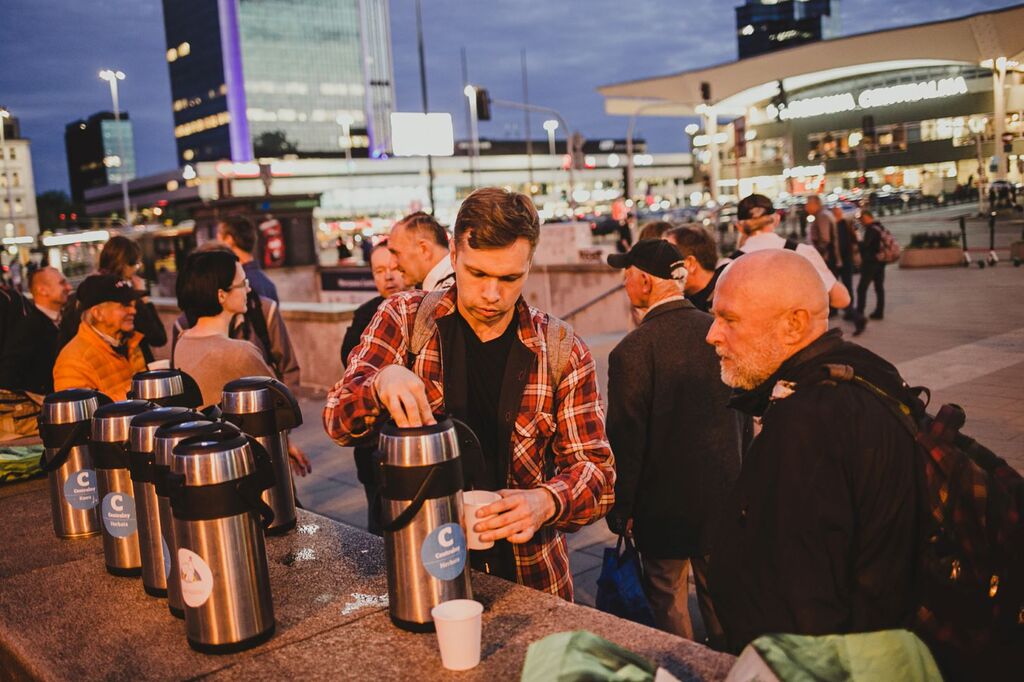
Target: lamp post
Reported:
point(629, 145)
point(470, 92)
point(691, 131)
point(977, 126)
point(560, 120)
point(112, 77)
point(4, 114)
point(346, 121)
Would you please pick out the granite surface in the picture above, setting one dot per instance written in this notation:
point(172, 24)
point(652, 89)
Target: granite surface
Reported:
point(62, 616)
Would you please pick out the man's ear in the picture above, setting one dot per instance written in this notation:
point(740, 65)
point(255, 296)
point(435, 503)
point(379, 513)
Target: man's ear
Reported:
point(796, 325)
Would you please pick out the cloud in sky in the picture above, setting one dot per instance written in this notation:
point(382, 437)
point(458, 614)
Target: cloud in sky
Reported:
point(52, 50)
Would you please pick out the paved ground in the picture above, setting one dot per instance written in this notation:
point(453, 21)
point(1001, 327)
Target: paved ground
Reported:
point(959, 331)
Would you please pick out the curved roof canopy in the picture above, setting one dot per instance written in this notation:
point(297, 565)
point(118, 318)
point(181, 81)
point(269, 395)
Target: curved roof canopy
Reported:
point(734, 86)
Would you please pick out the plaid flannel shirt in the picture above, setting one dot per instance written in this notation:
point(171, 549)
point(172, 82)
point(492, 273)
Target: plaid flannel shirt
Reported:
point(584, 482)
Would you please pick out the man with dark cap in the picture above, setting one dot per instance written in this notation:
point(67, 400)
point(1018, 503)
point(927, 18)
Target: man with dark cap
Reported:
point(676, 443)
point(105, 352)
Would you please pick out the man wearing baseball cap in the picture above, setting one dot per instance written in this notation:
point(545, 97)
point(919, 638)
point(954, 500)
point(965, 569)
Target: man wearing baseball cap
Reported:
point(105, 352)
point(676, 444)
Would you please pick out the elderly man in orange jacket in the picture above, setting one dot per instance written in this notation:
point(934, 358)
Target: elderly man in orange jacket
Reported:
point(105, 352)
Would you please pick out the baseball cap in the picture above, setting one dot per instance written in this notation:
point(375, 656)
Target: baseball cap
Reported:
point(97, 289)
point(754, 206)
point(656, 257)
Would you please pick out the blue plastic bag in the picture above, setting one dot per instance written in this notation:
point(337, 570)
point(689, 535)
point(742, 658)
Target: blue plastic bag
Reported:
point(620, 590)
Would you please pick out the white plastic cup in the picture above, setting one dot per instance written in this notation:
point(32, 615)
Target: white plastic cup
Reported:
point(472, 500)
point(159, 364)
point(458, 624)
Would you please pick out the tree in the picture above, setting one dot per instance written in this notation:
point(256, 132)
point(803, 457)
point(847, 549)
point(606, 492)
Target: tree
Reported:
point(53, 204)
point(273, 143)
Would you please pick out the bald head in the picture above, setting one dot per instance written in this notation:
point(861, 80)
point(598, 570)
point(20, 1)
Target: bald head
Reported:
point(768, 306)
point(49, 288)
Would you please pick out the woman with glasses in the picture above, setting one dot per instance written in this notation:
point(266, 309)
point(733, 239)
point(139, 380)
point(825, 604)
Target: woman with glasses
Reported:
point(212, 289)
point(120, 256)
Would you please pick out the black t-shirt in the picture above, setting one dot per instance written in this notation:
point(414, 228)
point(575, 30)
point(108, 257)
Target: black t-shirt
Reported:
point(485, 374)
point(702, 299)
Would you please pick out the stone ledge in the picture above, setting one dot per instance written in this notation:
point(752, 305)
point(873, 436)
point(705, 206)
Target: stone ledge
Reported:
point(932, 258)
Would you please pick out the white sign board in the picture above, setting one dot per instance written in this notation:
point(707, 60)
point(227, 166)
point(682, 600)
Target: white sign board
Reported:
point(422, 134)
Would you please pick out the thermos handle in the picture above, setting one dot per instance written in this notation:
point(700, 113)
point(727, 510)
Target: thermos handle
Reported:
point(287, 414)
point(78, 435)
point(470, 451)
point(251, 487)
point(403, 519)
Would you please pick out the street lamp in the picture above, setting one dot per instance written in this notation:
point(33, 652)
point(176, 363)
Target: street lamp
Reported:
point(113, 77)
point(551, 125)
point(346, 121)
point(470, 92)
point(4, 114)
point(977, 126)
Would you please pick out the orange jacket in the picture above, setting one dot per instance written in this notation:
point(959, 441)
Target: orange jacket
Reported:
point(90, 362)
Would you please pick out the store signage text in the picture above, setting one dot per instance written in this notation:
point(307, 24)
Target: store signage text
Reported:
point(868, 99)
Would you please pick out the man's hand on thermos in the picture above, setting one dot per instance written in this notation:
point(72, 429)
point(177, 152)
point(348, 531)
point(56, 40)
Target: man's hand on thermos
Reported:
point(520, 513)
point(402, 393)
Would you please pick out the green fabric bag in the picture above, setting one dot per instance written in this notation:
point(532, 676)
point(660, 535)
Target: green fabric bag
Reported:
point(862, 657)
point(582, 655)
point(19, 462)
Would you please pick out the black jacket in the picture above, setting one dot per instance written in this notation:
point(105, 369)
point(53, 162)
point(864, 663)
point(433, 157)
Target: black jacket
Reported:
point(871, 244)
point(29, 354)
point(676, 443)
point(361, 318)
point(819, 534)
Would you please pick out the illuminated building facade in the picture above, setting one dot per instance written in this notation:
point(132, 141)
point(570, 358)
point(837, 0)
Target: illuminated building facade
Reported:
point(769, 25)
point(100, 151)
point(253, 78)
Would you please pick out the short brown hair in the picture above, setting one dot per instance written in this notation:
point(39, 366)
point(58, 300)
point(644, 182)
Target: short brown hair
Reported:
point(654, 230)
point(426, 225)
point(696, 242)
point(493, 218)
point(242, 232)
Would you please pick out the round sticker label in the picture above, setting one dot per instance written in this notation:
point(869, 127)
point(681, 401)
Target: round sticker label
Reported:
point(196, 578)
point(80, 489)
point(167, 557)
point(119, 514)
point(443, 552)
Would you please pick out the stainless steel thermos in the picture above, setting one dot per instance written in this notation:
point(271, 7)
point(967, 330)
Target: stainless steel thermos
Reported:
point(265, 409)
point(164, 441)
point(215, 485)
point(118, 517)
point(421, 479)
point(156, 559)
point(64, 425)
point(166, 388)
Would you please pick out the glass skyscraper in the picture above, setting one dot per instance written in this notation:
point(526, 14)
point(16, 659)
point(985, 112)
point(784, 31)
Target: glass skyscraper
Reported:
point(100, 151)
point(769, 25)
point(256, 78)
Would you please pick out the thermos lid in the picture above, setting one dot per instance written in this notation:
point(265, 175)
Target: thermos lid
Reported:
point(217, 458)
point(110, 422)
point(71, 405)
point(265, 396)
point(418, 446)
point(144, 426)
point(169, 435)
point(167, 387)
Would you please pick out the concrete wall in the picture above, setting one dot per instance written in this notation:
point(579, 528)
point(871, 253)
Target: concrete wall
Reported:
point(559, 289)
point(316, 331)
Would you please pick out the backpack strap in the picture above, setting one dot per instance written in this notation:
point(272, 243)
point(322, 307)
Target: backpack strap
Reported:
point(904, 413)
point(791, 244)
point(559, 339)
point(424, 324)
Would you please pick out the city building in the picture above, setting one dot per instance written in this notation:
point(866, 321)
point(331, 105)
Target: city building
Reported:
point(279, 77)
point(19, 221)
point(100, 151)
point(769, 25)
point(932, 109)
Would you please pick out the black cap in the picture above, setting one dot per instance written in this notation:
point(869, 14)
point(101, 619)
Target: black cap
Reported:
point(754, 206)
point(656, 257)
point(97, 289)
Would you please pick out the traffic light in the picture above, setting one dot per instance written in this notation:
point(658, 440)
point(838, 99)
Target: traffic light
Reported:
point(867, 124)
point(705, 91)
point(483, 105)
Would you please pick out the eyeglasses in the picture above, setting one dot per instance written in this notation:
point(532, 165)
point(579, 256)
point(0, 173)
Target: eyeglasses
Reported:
point(244, 284)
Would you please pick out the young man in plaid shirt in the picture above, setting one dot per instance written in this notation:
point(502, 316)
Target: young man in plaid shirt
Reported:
point(487, 363)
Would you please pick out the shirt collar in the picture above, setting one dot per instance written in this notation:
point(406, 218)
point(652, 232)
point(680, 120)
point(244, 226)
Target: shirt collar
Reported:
point(441, 276)
point(663, 301)
point(54, 315)
point(526, 331)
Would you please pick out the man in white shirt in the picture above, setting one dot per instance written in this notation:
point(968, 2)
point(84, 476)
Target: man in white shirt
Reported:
point(420, 245)
point(757, 220)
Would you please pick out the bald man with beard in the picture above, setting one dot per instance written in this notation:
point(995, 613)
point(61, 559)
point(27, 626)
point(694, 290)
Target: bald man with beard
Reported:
point(818, 536)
